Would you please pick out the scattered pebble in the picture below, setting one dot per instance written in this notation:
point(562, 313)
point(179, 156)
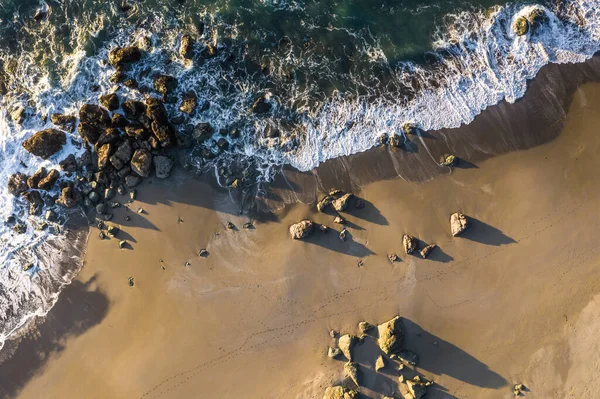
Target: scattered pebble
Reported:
point(102, 235)
point(187, 264)
point(360, 263)
point(140, 210)
point(132, 194)
point(230, 226)
point(203, 253)
point(339, 220)
point(393, 258)
point(344, 235)
point(127, 218)
point(130, 281)
point(248, 225)
point(122, 244)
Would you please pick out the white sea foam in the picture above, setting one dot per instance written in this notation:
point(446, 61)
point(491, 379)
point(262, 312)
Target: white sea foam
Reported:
point(489, 64)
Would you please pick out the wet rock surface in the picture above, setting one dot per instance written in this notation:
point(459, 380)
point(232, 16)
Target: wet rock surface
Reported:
point(45, 143)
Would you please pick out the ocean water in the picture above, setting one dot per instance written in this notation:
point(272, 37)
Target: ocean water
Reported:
point(337, 73)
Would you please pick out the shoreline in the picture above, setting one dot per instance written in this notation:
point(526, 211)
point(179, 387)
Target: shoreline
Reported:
point(105, 286)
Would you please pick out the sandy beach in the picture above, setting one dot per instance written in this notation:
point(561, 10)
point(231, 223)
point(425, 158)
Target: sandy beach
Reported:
point(512, 300)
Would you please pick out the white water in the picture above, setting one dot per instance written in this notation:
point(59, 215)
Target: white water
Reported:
point(493, 65)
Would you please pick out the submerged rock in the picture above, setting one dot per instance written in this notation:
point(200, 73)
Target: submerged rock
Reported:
point(65, 122)
point(103, 154)
point(124, 55)
point(409, 243)
point(391, 335)
point(458, 223)
point(110, 101)
point(189, 101)
point(302, 229)
point(165, 84)
point(45, 143)
point(521, 26)
point(346, 344)
point(185, 46)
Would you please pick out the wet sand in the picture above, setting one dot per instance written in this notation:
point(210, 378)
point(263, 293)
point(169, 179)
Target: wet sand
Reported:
point(513, 300)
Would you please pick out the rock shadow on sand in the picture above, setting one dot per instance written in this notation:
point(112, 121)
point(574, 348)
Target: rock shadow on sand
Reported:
point(484, 233)
point(80, 307)
point(332, 242)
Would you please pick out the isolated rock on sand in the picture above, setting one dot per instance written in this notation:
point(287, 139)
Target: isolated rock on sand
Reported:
point(141, 162)
point(17, 183)
point(162, 166)
point(324, 203)
point(45, 143)
point(379, 363)
point(365, 326)
point(341, 204)
point(346, 344)
point(427, 250)
point(339, 392)
point(339, 220)
point(124, 55)
point(458, 223)
point(396, 141)
point(416, 388)
point(301, 229)
point(333, 352)
point(409, 243)
point(391, 335)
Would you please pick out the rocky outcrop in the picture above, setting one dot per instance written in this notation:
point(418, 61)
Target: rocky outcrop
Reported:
point(346, 344)
point(301, 229)
point(141, 162)
point(338, 392)
point(110, 101)
point(121, 56)
point(427, 250)
point(45, 143)
point(17, 183)
point(458, 223)
point(162, 166)
point(391, 335)
point(409, 243)
point(352, 371)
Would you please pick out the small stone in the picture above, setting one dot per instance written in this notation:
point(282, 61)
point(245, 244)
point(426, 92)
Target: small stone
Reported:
point(28, 266)
point(339, 220)
point(132, 181)
point(344, 234)
point(333, 352)
point(114, 205)
point(408, 358)
point(323, 228)
point(130, 281)
point(230, 226)
point(324, 203)
point(101, 208)
point(248, 225)
point(122, 244)
point(203, 253)
point(109, 193)
point(364, 326)
point(333, 333)
point(112, 231)
point(127, 218)
point(140, 210)
point(132, 194)
point(393, 258)
point(101, 235)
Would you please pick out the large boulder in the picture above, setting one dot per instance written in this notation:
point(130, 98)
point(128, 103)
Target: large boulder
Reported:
point(391, 335)
point(124, 55)
point(353, 372)
point(301, 229)
point(35, 178)
point(162, 129)
point(69, 164)
point(410, 243)
point(48, 181)
point(122, 155)
point(93, 121)
point(103, 155)
point(339, 392)
point(17, 183)
point(141, 162)
point(346, 344)
point(45, 143)
point(162, 166)
point(458, 223)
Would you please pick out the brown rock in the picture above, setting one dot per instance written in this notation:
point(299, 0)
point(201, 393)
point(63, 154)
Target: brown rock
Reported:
point(427, 250)
point(458, 223)
point(34, 180)
point(49, 180)
point(353, 372)
point(17, 183)
point(124, 55)
point(391, 335)
point(110, 101)
point(45, 143)
point(141, 162)
point(65, 122)
point(409, 243)
point(103, 155)
point(341, 204)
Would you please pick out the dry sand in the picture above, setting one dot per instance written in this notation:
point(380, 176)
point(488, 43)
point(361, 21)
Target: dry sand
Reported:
point(513, 300)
